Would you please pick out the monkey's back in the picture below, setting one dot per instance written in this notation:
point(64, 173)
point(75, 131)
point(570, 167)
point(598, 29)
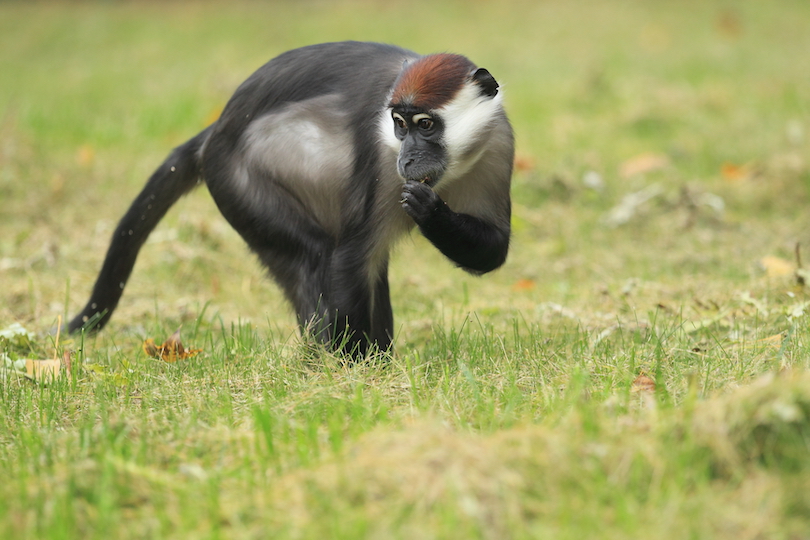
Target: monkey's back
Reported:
point(361, 72)
point(294, 127)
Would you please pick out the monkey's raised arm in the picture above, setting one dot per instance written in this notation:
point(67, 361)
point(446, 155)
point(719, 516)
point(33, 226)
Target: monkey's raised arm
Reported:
point(471, 242)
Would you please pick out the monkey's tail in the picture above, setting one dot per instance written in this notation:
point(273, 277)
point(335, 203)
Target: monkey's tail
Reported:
point(174, 178)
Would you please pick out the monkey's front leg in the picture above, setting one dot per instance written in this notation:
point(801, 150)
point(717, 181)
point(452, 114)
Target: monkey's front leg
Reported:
point(471, 242)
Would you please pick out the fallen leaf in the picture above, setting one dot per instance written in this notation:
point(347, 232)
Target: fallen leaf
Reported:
point(642, 383)
point(524, 285)
point(171, 351)
point(728, 24)
point(776, 266)
point(736, 173)
point(67, 361)
point(643, 163)
point(150, 348)
point(42, 370)
point(85, 155)
point(524, 163)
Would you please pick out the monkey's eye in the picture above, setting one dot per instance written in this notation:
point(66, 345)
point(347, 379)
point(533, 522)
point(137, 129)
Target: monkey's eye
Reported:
point(400, 122)
point(425, 124)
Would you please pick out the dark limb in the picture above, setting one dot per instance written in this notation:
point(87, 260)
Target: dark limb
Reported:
point(471, 242)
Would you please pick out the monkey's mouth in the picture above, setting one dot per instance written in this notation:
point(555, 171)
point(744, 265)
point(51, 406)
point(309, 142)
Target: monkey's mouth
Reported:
point(429, 180)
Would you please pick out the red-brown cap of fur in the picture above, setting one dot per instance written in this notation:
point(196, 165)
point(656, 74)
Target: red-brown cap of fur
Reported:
point(431, 81)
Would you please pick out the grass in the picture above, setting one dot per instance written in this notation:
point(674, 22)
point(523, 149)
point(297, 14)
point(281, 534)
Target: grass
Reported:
point(513, 405)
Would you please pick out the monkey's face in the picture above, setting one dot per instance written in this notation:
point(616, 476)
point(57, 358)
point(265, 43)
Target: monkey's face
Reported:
point(422, 154)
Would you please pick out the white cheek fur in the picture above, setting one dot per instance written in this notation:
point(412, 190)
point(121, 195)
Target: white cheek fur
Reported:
point(386, 126)
point(465, 118)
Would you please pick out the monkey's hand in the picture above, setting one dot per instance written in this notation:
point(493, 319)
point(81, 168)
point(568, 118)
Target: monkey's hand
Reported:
point(419, 201)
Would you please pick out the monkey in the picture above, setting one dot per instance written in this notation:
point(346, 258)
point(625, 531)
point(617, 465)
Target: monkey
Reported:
point(321, 160)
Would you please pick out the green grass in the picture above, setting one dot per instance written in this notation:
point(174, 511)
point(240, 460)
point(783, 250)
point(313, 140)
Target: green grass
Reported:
point(508, 409)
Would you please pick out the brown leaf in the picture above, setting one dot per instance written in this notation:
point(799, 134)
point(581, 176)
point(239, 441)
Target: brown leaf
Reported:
point(728, 24)
point(42, 370)
point(776, 266)
point(642, 383)
point(524, 163)
point(150, 348)
point(67, 361)
point(643, 163)
point(171, 351)
point(524, 284)
point(736, 173)
point(173, 344)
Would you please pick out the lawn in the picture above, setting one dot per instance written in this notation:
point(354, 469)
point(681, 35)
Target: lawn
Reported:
point(639, 368)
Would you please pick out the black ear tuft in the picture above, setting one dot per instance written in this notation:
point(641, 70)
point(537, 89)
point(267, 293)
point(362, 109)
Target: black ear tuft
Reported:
point(488, 84)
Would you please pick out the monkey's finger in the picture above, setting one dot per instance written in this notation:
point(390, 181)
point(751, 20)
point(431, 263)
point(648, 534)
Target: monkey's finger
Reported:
point(420, 193)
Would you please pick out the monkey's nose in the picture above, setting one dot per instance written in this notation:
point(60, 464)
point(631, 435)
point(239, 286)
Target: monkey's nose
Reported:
point(403, 166)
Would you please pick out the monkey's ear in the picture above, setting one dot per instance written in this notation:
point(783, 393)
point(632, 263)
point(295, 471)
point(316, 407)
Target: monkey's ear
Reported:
point(487, 83)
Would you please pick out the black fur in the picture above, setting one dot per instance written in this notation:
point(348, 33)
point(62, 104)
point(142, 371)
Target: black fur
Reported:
point(470, 242)
point(486, 81)
point(321, 211)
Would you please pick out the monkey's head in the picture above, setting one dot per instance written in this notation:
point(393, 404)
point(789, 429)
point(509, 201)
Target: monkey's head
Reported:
point(441, 107)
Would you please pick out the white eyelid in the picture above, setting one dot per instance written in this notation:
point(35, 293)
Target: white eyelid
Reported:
point(421, 116)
